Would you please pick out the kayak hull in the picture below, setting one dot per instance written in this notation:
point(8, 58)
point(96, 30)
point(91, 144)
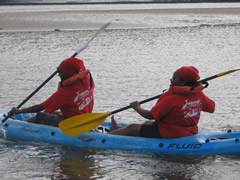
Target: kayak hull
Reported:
point(204, 143)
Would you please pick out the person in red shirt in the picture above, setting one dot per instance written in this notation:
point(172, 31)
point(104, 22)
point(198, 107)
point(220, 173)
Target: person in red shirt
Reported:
point(177, 111)
point(74, 95)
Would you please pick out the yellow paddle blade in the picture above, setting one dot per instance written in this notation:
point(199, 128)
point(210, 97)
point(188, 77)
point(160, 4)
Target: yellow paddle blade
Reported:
point(82, 123)
point(227, 72)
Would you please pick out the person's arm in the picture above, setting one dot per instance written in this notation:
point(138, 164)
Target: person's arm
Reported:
point(209, 104)
point(31, 109)
point(143, 112)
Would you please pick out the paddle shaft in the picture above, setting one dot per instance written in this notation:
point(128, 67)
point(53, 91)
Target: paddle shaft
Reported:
point(53, 74)
point(155, 97)
point(141, 102)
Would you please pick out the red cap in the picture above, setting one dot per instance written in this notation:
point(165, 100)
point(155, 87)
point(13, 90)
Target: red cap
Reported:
point(72, 66)
point(189, 73)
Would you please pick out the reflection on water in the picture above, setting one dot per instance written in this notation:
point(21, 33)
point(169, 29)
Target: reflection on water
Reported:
point(38, 160)
point(77, 164)
point(107, 164)
point(127, 65)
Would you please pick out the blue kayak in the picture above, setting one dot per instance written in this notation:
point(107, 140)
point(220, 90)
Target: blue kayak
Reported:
point(203, 143)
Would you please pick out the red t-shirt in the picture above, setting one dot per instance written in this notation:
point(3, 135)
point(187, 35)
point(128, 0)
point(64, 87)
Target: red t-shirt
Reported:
point(71, 100)
point(177, 115)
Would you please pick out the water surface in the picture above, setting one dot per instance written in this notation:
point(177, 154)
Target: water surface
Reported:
point(127, 64)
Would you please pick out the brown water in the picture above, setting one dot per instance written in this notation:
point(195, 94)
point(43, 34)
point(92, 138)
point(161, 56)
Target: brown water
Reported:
point(127, 64)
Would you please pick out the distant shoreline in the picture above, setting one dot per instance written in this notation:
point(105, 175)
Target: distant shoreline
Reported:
point(91, 19)
point(120, 2)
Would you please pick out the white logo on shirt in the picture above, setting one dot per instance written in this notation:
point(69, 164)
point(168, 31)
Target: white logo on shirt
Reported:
point(81, 95)
point(85, 100)
point(191, 108)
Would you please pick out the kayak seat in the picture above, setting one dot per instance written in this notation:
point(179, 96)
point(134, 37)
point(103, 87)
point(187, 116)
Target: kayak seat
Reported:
point(101, 129)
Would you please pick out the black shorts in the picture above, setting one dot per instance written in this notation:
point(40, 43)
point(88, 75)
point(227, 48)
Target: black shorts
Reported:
point(48, 119)
point(149, 130)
